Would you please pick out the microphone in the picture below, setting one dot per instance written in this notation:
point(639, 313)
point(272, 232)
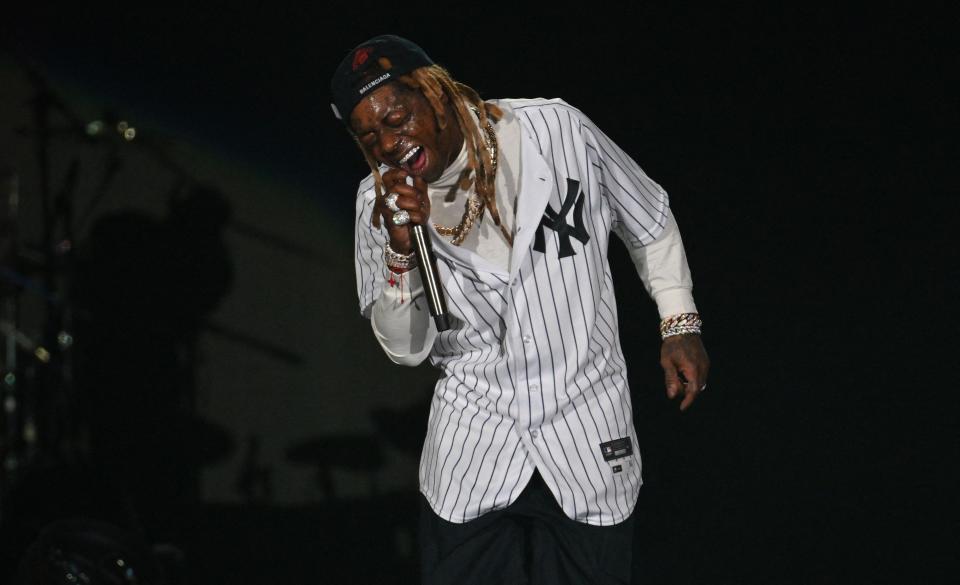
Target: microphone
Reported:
point(429, 274)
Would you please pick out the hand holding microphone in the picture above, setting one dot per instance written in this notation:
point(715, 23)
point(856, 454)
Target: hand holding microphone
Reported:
point(405, 209)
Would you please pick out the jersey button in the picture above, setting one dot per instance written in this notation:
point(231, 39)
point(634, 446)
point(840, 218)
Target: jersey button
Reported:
point(527, 339)
point(534, 388)
point(535, 434)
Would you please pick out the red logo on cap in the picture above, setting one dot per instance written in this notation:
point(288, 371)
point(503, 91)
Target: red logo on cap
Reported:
point(360, 57)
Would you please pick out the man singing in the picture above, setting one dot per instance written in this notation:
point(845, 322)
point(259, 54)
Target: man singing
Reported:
point(530, 471)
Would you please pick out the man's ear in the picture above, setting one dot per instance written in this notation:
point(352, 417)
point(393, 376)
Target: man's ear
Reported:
point(445, 112)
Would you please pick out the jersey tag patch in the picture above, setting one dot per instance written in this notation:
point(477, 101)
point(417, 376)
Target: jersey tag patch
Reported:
point(618, 454)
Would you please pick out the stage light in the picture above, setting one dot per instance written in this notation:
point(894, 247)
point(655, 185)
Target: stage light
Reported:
point(42, 354)
point(95, 128)
point(64, 339)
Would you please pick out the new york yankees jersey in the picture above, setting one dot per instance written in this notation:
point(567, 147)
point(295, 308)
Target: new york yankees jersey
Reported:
point(532, 373)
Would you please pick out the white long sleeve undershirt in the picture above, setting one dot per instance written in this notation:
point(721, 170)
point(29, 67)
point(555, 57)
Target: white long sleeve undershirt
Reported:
point(401, 321)
point(663, 269)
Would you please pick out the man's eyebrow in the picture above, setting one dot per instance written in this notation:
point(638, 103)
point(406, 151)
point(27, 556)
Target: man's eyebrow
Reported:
point(362, 130)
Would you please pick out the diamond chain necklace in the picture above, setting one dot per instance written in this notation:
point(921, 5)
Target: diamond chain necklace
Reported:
point(473, 209)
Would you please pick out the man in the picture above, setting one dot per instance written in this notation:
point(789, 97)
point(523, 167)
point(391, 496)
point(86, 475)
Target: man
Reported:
point(529, 471)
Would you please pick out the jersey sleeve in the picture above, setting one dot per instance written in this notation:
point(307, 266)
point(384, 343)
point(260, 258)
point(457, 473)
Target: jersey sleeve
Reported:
point(639, 205)
point(368, 249)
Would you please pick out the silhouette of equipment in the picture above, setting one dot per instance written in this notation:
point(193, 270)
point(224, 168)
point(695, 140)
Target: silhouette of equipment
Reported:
point(109, 373)
point(356, 453)
point(85, 551)
point(404, 427)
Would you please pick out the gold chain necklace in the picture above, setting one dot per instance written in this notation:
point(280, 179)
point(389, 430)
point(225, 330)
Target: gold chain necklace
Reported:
point(473, 209)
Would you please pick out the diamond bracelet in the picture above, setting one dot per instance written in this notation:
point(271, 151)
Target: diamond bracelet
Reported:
point(398, 261)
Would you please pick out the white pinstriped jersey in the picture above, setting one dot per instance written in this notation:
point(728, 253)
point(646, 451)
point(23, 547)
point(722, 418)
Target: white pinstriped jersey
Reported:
point(532, 373)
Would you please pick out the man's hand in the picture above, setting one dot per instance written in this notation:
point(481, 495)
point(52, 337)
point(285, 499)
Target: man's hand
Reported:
point(685, 367)
point(413, 198)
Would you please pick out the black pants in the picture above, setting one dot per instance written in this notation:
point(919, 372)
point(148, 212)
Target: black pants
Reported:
point(529, 542)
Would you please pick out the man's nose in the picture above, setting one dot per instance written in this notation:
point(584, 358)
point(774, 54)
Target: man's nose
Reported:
point(389, 142)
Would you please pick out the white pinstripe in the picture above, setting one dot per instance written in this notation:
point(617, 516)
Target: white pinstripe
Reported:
point(532, 370)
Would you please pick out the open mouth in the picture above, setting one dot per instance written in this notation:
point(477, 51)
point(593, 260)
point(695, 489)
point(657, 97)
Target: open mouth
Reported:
point(414, 160)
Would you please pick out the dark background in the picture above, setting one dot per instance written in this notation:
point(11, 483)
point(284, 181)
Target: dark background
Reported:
point(805, 149)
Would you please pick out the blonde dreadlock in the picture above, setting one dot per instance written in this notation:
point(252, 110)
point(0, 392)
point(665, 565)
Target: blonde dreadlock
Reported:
point(434, 81)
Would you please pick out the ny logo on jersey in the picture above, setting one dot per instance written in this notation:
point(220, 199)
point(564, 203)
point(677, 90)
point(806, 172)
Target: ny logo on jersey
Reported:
point(555, 221)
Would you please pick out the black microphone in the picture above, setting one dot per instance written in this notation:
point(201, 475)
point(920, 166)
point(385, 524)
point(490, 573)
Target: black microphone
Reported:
point(429, 274)
point(430, 277)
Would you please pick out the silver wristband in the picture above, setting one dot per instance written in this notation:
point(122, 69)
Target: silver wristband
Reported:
point(680, 324)
point(397, 260)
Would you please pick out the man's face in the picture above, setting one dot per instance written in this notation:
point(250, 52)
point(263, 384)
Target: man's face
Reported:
point(397, 127)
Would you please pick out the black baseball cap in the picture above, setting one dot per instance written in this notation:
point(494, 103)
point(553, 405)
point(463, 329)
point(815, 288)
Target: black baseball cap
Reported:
point(368, 66)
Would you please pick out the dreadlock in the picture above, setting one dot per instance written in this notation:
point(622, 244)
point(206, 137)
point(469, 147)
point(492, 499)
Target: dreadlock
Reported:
point(434, 82)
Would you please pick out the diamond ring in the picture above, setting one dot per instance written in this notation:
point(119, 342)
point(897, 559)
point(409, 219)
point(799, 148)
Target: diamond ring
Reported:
point(401, 217)
point(391, 202)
